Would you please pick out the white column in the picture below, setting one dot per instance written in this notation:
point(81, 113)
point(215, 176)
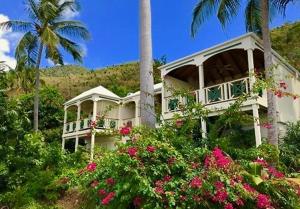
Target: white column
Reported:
point(201, 84)
point(76, 143)
point(65, 119)
point(78, 116)
point(93, 134)
point(202, 98)
point(255, 108)
point(251, 68)
point(63, 144)
point(137, 110)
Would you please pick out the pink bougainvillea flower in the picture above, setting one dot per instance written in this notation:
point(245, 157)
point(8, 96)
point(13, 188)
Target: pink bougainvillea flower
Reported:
point(151, 148)
point(124, 131)
point(108, 198)
point(196, 183)
point(159, 183)
point(102, 192)
point(267, 125)
point(261, 162)
point(239, 202)
point(179, 123)
point(94, 183)
point(263, 201)
point(110, 181)
point(283, 84)
point(228, 206)
point(217, 152)
point(132, 151)
point(137, 201)
point(91, 166)
point(167, 178)
point(279, 93)
point(248, 188)
point(275, 173)
point(159, 190)
point(220, 196)
point(219, 185)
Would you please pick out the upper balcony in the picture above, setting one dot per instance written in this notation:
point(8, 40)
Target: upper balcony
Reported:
point(217, 80)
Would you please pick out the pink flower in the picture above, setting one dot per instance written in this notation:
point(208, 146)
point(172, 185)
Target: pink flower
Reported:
point(228, 206)
point(125, 131)
point(94, 183)
point(263, 201)
point(239, 202)
point(137, 201)
point(101, 192)
point(275, 173)
point(108, 198)
point(248, 188)
point(220, 196)
point(219, 185)
point(278, 93)
point(218, 153)
point(283, 85)
point(151, 148)
point(110, 181)
point(167, 178)
point(196, 183)
point(261, 162)
point(267, 125)
point(179, 123)
point(159, 190)
point(132, 151)
point(91, 167)
point(159, 183)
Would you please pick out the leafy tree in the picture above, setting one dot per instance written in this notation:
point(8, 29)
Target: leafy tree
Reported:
point(146, 66)
point(257, 18)
point(47, 33)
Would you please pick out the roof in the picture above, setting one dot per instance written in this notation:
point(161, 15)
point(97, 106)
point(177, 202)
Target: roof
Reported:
point(157, 88)
point(100, 90)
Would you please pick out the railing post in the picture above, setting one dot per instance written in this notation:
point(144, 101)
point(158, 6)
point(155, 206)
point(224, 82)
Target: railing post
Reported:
point(65, 119)
point(251, 69)
point(93, 134)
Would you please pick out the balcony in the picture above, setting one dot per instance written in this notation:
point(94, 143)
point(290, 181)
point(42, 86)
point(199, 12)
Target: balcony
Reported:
point(223, 92)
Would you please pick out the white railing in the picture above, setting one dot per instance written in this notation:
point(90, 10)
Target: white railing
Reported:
point(226, 91)
point(107, 123)
point(212, 94)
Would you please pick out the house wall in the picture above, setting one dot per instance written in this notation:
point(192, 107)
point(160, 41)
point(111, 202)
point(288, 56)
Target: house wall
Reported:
point(288, 107)
point(174, 83)
point(128, 111)
point(108, 108)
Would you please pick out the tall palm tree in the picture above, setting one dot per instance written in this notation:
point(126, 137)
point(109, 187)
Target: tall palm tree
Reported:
point(46, 34)
point(146, 66)
point(257, 18)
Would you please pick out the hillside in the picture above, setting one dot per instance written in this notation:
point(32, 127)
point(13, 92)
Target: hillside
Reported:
point(73, 80)
point(122, 79)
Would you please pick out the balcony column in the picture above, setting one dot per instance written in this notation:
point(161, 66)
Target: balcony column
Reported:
point(251, 69)
point(77, 125)
point(255, 108)
point(137, 113)
point(93, 133)
point(64, 128)
point(201, 98)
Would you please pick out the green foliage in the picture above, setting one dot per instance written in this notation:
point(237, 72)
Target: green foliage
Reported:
point(290, 148)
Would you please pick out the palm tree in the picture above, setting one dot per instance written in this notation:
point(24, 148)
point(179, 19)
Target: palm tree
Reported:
point(146, 66)
point(46, 34)
point(257, 18)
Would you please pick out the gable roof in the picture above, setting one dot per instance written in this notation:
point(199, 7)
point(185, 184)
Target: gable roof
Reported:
point(100, 91)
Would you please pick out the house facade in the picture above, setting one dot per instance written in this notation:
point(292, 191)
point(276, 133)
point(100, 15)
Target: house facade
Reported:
point(217, 76)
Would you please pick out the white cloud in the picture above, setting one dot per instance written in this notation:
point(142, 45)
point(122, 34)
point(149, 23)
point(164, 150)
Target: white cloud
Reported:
point(8, 40)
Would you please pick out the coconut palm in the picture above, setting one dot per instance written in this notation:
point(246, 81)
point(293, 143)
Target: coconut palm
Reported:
point(257, 18)
point(46, 35)
point(146, 66)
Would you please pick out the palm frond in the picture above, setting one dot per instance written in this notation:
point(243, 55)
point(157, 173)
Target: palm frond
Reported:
point(73, 5)
point(281, 5)
point(72, 28)
point(54, 55)
point(49, 37)
point(227, 9)
point(27, 49)
point(202, 10)
point(253, 16)
point(32, 7)
point(71, 47)
point(15, 25)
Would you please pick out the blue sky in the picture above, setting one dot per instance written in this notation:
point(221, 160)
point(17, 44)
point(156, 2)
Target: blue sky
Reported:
point(114, 28)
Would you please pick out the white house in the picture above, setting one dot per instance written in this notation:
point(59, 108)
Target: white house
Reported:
point(217, 75)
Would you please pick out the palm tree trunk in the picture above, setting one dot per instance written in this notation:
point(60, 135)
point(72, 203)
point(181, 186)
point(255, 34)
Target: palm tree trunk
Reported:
point(272, 105)
point(146, 66)
point(37, 89)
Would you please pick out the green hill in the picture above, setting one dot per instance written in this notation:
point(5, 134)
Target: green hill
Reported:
point(72, 80)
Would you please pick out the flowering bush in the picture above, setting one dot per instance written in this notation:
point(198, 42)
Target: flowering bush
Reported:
point(151, 173)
